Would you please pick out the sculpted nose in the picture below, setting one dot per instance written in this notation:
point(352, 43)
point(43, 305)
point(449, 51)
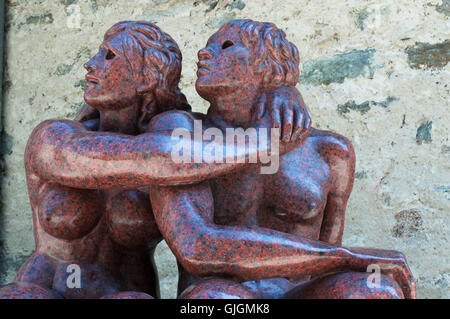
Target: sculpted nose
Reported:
point(90, 65)
point(204, 54)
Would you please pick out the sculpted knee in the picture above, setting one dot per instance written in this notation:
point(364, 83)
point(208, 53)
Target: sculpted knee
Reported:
point(360, 286)
point(216, 289)
point(383, 287)
point(26, 290)
point(127, 295)
point(350, 285)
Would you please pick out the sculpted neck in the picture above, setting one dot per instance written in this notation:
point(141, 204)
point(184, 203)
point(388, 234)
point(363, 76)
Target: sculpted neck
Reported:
point(120, 120)
point(235, 109)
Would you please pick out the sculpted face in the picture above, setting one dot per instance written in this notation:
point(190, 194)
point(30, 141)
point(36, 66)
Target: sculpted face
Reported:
point(225, 64)
point(111, 81)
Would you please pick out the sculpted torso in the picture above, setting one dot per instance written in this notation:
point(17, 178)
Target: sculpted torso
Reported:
point(111, 235)
point(291, 201)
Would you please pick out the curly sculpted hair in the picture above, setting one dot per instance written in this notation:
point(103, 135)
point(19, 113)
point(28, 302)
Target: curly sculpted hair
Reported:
point(154, 54)
point(269, 46)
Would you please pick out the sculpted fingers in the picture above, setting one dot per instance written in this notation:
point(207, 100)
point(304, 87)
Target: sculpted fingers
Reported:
point(299, 120)
point(261, 107)
point(86, 113)
point(287, 122)
point(276, 112)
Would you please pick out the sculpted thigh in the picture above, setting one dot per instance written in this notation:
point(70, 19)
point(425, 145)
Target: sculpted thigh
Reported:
point(94, 282)
point(38, 269)
point(127, 295)
point(216, 289)
point(346, 286)
point(26, 290)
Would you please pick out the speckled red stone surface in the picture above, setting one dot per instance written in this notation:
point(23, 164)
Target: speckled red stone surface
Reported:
point(104, 189)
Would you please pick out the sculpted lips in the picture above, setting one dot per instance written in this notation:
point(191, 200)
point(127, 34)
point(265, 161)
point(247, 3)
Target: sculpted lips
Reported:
point(203, 67)
point(91, 79)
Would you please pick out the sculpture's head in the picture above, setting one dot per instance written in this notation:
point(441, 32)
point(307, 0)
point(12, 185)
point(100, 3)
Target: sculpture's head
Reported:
point(246, 54)
point(136, 63)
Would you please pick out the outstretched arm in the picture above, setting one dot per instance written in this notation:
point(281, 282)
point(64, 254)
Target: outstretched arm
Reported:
point(65, 152)
point(68, 153)
point(184, 216)
point(284, 105)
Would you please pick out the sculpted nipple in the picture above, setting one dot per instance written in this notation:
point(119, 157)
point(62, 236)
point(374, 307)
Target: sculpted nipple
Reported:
point(313, 211)
point(69, 213)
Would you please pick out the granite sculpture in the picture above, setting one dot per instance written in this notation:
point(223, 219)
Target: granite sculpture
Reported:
point(105, 189)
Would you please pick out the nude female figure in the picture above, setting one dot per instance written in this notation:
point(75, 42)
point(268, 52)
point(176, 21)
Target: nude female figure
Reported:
point(109, 232)
point(229, 226)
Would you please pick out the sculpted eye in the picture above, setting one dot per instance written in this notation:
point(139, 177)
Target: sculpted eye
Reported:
point(227, 44)
point(110, 55)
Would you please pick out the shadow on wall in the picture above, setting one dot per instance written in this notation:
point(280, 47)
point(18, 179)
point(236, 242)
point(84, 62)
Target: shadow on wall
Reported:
point(2, 249)
point(7, 262)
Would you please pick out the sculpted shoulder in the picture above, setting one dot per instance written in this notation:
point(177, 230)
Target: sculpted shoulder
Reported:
point(170, 120)
point(43, 138)
point(49, 128)
point(332, 146)
point(34, 143)
point(338, 153)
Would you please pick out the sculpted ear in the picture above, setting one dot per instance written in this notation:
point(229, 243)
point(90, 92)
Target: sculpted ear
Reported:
point(146, 87)
point(260, 68)
point(148, 81)
point(261, 72)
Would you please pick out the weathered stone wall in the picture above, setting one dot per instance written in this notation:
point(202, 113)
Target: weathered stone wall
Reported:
point(374, 71)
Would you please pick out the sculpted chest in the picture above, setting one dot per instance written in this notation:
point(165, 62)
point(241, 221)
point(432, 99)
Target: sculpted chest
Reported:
point(291, 200)
point(237, 197)
point(295, 196)
point(69, 214)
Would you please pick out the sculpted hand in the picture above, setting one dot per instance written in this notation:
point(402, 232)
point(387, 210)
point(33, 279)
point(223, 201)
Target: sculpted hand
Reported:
point(287, 111)
point(392, 263)
point(89, 117)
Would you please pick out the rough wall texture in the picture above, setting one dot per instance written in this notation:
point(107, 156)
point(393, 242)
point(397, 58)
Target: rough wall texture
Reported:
point(374, 71)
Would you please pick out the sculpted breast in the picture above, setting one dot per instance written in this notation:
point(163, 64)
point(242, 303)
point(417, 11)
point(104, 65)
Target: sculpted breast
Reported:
point(297, 193)
point(130, 219)
point(68, 213)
